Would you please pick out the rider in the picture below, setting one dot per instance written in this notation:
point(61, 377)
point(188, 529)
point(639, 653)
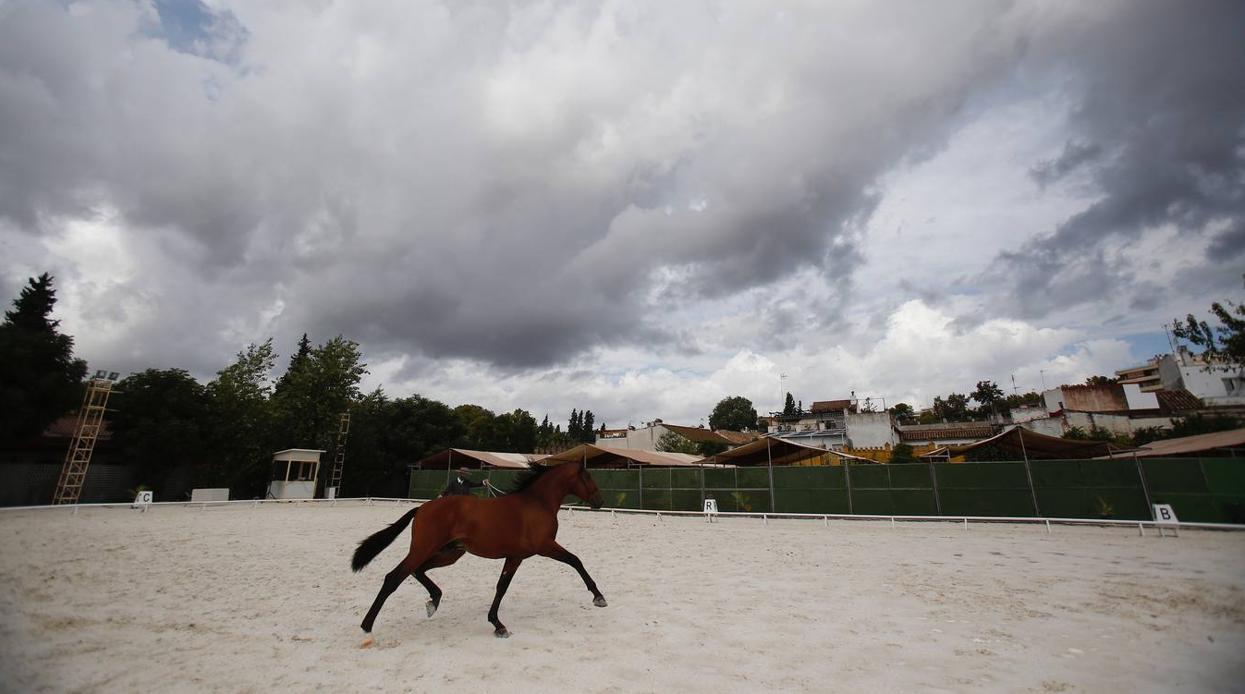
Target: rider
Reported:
point(461, 485)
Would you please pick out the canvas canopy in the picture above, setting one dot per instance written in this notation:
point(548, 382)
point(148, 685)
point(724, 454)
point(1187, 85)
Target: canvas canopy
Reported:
point(455, 457)
point(1201, 444)
point(772, 450)
point(602, 456)
point(1018, 443)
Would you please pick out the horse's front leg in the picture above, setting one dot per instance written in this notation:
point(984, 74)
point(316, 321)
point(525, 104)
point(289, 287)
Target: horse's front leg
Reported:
point(507, 573)
point(560, 553)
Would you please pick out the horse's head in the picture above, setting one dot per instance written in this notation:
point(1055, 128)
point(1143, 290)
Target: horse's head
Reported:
point(583, 487)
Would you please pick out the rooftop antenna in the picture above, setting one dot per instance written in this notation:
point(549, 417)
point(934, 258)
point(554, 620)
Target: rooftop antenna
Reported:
point(782, 392)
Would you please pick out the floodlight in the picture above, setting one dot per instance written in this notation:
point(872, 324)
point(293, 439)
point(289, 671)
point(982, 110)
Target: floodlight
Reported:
point(113, 375)
point(99, 373)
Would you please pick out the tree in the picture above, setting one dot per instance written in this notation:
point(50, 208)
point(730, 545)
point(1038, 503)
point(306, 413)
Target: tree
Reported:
point(788, 406)
point(1224, 343)
point(516, 432)
point(902, 453)
point(902, 412)
point(479, 428)
point(239, 423)
point(315, 391)
point(953, 409)
point(987, 394)
point(298, 366)
point(1099, 381)
point(587, 432)
point(40, 380)
point(735, 413)
point(671, 442)
point(158, 425)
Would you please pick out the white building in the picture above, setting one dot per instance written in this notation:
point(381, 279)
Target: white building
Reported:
point(1215, 384)
point(646, 439)
point(835, 425)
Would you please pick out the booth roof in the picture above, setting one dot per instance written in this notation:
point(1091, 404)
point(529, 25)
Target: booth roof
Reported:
point(592, 452)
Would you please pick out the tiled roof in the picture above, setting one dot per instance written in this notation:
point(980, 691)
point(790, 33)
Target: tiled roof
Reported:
point(830, 406)
point(1177, 400)
point(695, 433)
point(949, 430)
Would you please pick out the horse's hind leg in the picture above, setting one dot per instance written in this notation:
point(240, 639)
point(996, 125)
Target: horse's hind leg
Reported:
point(560, 553)
point(507, 573)
point(449, 555)
point(418, 555)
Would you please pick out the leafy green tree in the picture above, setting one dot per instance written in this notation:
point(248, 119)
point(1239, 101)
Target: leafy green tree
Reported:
point(902, 453)
point(735, 413)
point(671, 442)
point(158, 426)
point(516, 432)
point(1224, 343)
point(1099, 381)
point(40, 380)
point(953, 409)
point(587, 427)
point(988, 394)
point(788, 406)
point(902, 412)
point(479, 428)
point(239, 423)
point(708, 448)
point(318, 388)
point(299, 363)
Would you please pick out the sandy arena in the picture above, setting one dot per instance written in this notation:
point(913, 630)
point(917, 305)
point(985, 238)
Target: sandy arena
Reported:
point(255, 599)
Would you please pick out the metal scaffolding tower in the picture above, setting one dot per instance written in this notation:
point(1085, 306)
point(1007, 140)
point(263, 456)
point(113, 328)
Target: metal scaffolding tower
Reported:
point(90, 422)
point(339, 455)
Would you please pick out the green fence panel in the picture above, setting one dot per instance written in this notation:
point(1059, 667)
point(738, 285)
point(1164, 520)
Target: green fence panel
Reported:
point(870, 501)
point(621, 498)
point(913, 502)
point(655, 478)
point(1056, 473)
point(829, 500)
point(910, 476)
point(752, 477)
point(1225, 475)
point(803, 477)
point(616, 479)
point(657, 499)
point(981, 476)
point(869, 477)
point(1110, 473)
point(993, 502)
point(720, 478)
point(685, 500)
point(1179, 476)
point(744, 501)
point(1191, 508)
point(794, 501)
point(1231, 508)
point(685, 478)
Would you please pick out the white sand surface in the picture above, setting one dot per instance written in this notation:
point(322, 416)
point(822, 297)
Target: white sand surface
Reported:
point(256, 599)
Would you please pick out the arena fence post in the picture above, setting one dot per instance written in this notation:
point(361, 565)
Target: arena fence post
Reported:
point(1048, 526)
point(966, 524)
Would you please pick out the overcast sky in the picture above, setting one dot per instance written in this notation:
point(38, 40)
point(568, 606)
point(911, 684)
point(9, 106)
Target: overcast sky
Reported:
point(637, 208)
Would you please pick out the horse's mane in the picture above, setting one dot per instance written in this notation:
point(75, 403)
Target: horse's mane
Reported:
point(528, 477)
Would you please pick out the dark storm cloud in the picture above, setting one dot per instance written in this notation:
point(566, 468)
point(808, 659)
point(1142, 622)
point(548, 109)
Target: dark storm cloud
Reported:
point(1159, 126)
point(520, 185)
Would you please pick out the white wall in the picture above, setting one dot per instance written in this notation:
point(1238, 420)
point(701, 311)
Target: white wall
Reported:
point(1138, 400)
point(869, 429)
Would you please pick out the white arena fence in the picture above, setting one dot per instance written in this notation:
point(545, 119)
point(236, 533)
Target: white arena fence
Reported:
point(571, 510)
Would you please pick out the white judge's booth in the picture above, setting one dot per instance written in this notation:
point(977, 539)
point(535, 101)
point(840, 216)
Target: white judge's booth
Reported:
point(294, 473)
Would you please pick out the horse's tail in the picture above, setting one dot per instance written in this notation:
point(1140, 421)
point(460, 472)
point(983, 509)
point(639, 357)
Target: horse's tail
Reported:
point(378, 541)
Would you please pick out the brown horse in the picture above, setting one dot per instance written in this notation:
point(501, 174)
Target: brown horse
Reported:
point(511, 527)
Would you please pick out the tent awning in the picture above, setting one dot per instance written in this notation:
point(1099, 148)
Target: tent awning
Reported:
point(1022, 443)
point(771, 449)
point(464, 456)
point(1189, 445)
point(600, 456)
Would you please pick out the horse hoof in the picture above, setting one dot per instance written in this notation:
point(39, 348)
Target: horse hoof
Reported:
point(432, 608)
point(501, 633)
point(367, 643)
point(600, 602)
